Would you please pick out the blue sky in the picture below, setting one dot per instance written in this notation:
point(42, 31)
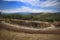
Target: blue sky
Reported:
point(35, 6)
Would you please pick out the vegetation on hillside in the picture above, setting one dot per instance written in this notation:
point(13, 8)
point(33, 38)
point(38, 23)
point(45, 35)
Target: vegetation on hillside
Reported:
point(34, 16)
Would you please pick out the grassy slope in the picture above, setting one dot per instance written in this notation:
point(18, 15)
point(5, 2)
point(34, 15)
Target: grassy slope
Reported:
point(10, 35)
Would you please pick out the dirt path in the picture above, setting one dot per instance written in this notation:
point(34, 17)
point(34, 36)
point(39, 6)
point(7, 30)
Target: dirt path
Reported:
point(49, 30)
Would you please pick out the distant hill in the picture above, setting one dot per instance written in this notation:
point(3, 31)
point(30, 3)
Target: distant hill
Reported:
point(47, 16)
point(34, 16)
point(24, 13)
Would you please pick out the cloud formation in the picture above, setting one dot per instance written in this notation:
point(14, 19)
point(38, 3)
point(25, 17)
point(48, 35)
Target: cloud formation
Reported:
point(25, 9)
point(46, 3)
point(35, 3)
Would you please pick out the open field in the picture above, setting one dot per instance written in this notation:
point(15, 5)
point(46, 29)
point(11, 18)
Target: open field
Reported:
point(10, 35)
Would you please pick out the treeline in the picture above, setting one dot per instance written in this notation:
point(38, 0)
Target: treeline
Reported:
point(34, 16)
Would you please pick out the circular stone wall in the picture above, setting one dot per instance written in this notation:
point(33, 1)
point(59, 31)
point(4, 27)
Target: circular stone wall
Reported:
point(34, 24)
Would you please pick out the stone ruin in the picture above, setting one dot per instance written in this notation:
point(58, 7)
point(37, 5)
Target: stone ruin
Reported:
point(56, 24)
point(34, 24)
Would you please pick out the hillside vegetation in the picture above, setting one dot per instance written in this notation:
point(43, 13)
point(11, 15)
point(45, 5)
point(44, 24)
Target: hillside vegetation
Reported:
point(50, 17)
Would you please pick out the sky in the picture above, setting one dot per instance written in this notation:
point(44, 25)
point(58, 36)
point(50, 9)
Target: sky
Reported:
point(32, 6)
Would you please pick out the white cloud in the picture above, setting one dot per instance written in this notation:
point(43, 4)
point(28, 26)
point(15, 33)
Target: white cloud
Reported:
point(32, 2)
point(0, 10)
point(25, 9)
point(50, 3)
point(47, 3)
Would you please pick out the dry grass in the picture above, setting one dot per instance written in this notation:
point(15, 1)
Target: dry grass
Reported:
point(10, 35)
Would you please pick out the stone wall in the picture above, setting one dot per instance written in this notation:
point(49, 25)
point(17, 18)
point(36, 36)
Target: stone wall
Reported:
point(27, 23)
point(56, 24)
